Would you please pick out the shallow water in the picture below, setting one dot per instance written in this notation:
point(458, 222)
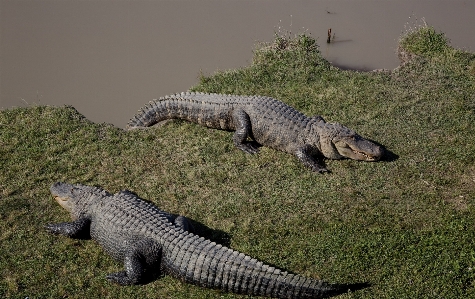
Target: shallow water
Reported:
point(109, 58)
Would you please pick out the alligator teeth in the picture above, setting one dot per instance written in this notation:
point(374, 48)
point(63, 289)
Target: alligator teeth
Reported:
point(368, 157)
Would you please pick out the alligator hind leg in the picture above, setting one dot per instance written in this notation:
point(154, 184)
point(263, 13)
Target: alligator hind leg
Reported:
point(243, 131)
point(139, 261)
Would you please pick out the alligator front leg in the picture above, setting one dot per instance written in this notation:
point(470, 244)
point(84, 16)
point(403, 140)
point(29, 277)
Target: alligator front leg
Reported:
point(306, 155)
point(243, 126)
point(78, 229)
point(139, 260)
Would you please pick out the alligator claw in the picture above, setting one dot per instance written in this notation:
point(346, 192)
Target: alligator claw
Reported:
point(120, 278)
point(249, 148)
point(78, 229)
point(319, 169)
point(51, 228)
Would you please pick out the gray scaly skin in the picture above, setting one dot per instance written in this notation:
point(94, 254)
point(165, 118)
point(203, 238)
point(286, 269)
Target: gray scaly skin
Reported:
point(265, 120)
point(148, 240)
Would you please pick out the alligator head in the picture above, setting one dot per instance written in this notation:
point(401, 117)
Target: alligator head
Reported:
point(75, 198)
point(338, 141)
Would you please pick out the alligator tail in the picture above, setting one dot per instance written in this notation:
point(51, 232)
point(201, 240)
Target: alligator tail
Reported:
point(187, 106)
point(207, 264)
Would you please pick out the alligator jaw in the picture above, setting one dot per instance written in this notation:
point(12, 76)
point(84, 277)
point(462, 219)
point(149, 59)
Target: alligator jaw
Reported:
point(360, 149)
point(365, 156)
point(59, 199)
point(64, 202)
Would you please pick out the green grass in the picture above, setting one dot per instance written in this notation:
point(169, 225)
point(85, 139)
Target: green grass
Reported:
point(406, 226)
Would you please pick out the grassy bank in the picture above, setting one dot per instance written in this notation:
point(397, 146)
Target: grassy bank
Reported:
point(405, 225)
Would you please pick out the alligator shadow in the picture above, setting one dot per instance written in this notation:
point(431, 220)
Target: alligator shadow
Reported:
point(388, 156)
point(214, 235)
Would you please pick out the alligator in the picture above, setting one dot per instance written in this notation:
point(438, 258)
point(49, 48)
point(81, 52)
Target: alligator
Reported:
point(264, 120)
point(148, 240)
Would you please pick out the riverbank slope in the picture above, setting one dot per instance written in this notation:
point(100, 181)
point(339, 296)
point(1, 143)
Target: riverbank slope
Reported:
point(405, 225)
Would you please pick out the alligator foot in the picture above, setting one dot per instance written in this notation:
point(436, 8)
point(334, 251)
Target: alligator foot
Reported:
point(319, 169)
point(248, 147)
point(121, 278)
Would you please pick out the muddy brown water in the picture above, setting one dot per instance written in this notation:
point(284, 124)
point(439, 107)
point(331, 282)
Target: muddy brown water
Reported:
point(109, 58)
